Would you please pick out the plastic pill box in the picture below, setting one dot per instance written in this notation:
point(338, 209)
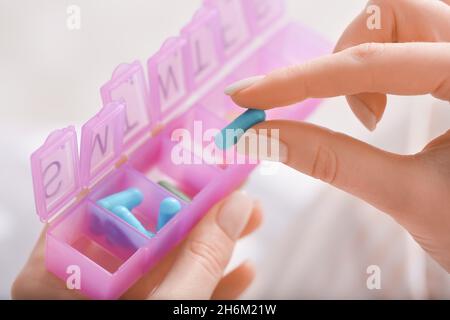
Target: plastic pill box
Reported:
point(130, 142)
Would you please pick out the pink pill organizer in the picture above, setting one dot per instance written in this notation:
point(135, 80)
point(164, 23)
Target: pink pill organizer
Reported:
point(129, 143)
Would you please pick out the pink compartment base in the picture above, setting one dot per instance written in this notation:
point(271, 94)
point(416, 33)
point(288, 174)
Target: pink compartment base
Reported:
point(113, 255)
point(108, 252)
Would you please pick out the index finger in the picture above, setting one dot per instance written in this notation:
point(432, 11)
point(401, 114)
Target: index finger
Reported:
point(393, 68)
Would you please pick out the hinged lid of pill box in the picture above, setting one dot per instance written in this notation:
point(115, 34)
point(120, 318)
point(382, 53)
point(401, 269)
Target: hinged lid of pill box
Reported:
point(128, 86)
point(59, 176)
point(134, 108)
point(186, 64)
point(101, 143)
point(55, 168)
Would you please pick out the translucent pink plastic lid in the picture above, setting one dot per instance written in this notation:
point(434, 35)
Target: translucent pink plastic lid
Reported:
point(134, 107)
point(101, 143)
point(128, 87)
point(56, 166)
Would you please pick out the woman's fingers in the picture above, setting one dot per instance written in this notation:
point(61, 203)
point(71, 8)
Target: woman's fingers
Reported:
point(372, 67)
point(390, 21)
point(382, 179)
point(381, 21)
point(145, 285)
point(255, 220)
point(235, 283)
point(368, 108)
point(206, 252)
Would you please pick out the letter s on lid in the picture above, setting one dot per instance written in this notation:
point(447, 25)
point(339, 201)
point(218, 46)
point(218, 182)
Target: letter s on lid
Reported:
point(55, 168)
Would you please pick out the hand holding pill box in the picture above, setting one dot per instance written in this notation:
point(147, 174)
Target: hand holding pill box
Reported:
point(123, 204)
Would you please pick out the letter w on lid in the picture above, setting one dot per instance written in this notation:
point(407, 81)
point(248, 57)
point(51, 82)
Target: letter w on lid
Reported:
point(56, 166)
point(101, 142)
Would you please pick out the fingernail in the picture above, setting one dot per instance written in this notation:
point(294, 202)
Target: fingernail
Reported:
point(261, 146)
point(242, 84)
point(235, 213)
point(363, 112)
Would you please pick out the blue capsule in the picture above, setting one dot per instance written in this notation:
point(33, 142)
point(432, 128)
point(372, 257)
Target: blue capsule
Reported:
point(125, 214)
point(168, 208)
point(129, 198)
point(231, 134)
point(121, 203)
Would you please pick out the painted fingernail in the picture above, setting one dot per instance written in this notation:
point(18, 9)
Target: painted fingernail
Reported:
point(235, 213)
point(259, 146)
point(363, 112)
point(242, 84)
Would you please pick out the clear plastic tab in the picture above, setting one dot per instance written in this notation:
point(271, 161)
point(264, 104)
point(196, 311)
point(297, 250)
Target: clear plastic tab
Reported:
point(204, 49)
point(263, 13)
point(55, 170)
point(234, 27)
point(167, 76)
point(128, 86)
point(101, 142)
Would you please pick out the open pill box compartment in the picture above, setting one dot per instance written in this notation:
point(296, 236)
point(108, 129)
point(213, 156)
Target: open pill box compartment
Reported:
point(129, 143)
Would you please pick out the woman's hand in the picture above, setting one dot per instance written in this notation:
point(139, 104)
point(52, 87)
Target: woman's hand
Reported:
point(193, 270)
point(409, 55)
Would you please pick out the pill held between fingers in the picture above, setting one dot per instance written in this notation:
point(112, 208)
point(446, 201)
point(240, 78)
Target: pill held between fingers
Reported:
point(168, 208)
point(129, 198)
point(125, 214)
point(230, 135)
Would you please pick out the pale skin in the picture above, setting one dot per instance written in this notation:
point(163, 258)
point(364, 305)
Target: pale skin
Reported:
point(407, 56)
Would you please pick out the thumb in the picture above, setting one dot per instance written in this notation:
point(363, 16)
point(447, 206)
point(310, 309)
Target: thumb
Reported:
point(205, 254)
point(380, 178)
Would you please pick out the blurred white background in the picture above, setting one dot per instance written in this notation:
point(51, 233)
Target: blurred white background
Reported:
point(316, 241)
